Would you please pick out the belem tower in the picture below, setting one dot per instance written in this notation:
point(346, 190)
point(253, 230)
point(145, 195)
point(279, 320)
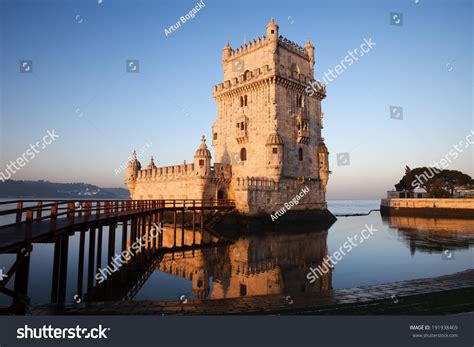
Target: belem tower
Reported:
point(266, 138)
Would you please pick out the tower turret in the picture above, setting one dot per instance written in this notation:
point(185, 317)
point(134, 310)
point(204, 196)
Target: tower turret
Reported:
point(151, 165)
point(274, 153)
point(200, 284)
point(133, 167)
point(202, 159)
point(272, 34)
point(323, 156)
point(226, 52)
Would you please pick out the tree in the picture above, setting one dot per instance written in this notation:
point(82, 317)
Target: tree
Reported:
point(437, 183)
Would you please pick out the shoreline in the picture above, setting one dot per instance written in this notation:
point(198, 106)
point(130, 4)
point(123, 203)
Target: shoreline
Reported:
point(428, 207)
point(397, 298)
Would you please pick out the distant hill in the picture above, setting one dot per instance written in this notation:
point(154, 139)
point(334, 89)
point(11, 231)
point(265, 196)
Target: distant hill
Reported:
point(46, 189)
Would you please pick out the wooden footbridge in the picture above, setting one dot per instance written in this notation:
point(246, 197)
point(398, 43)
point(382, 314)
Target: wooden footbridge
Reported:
point(24, 223)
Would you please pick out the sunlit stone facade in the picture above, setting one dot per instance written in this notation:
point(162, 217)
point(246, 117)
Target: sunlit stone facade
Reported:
point(267, 137)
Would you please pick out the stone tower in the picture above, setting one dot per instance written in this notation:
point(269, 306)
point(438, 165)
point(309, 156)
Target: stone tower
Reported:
point(267, 127)
point(267, 137)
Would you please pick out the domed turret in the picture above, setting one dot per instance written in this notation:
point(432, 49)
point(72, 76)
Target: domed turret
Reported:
point(200, 284)
point(272, 34)
point(274, 151)
point(202, 159)
point(133, 167)
point(226, 51)
point(274, 139)
point(151, 165)
point(202, 151)
point(272, 29)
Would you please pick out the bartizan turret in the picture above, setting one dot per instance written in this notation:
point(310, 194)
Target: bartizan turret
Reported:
point(274, 149)
point(323, 156)
point(272, 34)
point(133, 168)
point(202, 159)
point(226, 51)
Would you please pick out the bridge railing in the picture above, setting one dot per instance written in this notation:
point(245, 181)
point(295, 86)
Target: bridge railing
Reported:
point(28, 211)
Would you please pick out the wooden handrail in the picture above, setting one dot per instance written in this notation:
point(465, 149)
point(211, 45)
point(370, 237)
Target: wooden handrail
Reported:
point(108, 208)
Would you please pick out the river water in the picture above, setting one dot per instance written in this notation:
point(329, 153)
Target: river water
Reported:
point(395, 249)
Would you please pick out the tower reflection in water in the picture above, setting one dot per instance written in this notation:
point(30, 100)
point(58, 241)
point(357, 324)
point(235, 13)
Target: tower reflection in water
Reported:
point(254, 265)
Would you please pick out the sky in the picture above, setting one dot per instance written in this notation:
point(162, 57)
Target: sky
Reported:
point(78, 85)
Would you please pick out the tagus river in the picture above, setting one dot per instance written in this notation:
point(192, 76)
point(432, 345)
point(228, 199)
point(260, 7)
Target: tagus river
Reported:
point(397, 248)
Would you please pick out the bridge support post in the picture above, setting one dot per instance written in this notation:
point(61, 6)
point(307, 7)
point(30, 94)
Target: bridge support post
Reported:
point(80, 265)
point(182, 223)
point(58, 287)
point(124, 234)
point(99, 246)
point(19, 213)
point(111, 245)
point(90, 265)
point(20, 287)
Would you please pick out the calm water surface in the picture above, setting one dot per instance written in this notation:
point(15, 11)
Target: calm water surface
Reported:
point(401, 248)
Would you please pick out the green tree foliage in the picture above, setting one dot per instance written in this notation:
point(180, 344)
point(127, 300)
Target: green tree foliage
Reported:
point(437, 183)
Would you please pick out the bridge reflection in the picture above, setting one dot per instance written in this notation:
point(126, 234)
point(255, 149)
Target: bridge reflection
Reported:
point(106, 231)
point(173, 241)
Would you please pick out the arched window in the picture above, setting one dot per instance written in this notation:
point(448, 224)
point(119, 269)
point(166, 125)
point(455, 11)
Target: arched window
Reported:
point(245, 100)
point(299, 100)
point(241, 101)
point(201, 162)
point(300, 154)
point(243, 154)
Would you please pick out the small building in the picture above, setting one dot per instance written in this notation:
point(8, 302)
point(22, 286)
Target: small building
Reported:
point(418, 193)
point(463, 192)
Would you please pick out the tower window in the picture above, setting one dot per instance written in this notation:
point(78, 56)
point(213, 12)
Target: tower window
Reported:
point(299, 100)
point(215, 136)
point(243, 154)
point(273, 31)
point(243, 290)
point(242, 126)
point(300, 154)
point(275, 150)
point(243, 101)
point(201, 162)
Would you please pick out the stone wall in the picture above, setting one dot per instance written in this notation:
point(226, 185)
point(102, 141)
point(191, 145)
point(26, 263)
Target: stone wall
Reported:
point(449, 208)
point(190, 187)
point(430, 203)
